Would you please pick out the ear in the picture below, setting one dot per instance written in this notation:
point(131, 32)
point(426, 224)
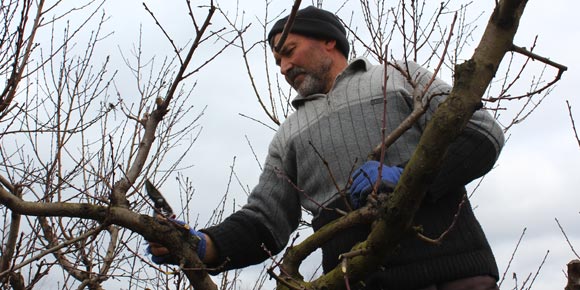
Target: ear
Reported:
point(330, 44)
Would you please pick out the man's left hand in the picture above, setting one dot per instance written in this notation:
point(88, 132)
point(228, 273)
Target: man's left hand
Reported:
point(366, 176)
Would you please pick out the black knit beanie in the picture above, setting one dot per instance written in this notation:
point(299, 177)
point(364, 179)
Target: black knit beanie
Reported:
point(315, 23)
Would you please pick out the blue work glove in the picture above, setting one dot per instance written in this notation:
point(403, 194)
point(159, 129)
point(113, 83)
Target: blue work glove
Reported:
point(365, 177)
point(171, 259)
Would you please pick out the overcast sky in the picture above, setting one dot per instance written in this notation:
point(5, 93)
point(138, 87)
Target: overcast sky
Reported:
point(536, 178)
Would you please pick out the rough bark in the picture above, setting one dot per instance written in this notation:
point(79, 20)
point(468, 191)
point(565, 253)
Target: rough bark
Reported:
point(573, 275)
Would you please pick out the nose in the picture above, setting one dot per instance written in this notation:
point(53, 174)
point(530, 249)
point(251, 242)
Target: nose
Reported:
point(285, 66)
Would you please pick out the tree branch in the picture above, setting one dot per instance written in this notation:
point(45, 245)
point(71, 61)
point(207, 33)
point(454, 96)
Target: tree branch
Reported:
point(175, 239)
point(288, 25)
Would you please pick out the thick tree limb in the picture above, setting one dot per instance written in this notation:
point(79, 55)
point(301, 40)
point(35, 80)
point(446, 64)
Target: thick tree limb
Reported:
point(177, 241)
point(10, 245)
point(294, 258)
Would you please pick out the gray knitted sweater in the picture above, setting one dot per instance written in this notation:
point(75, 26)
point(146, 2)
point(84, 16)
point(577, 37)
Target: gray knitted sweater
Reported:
point(341, 128)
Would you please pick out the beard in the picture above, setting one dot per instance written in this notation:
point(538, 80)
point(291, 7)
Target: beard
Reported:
point(315, 81)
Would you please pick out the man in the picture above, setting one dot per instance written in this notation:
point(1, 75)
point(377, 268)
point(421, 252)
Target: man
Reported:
point(338, 120)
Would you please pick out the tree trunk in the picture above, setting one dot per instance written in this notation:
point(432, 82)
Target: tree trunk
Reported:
point(573, 275)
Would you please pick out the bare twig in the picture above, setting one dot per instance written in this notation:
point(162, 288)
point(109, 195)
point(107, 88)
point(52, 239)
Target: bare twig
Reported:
point(179, 77)
point(439, 239)
point(529, 54)
point(305, 194)
point(258, 121)
point(53, 249)
point(538, 270)
point(567, 239)
point(522, 50)
point(288, 25)
point(572, 121)
point(512, 257)
point(383, 147)
point(438, 67)
point(331, 175)
point(175, 49)
point(419, 107)
point(271, 110)
point(21, 60)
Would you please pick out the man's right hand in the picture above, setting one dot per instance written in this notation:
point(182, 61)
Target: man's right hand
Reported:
point(161, 255)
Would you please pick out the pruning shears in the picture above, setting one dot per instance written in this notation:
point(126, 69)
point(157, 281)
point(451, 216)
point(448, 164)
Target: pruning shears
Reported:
point(161, 206)
point(162, 209)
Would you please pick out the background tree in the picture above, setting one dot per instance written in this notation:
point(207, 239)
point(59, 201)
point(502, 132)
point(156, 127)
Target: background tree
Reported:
point(70, 165)
point(69, 97)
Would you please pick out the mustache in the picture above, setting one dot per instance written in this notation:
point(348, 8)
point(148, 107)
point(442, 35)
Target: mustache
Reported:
point(293, 73)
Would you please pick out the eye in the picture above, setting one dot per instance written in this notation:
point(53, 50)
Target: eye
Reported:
point(285, 52)
point(288, 51)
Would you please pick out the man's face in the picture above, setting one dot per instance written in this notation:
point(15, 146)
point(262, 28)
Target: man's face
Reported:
point(305, 64)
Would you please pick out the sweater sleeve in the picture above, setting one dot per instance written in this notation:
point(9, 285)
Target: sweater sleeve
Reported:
point(476, 149)
point(240, 241)
point(264, 224)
